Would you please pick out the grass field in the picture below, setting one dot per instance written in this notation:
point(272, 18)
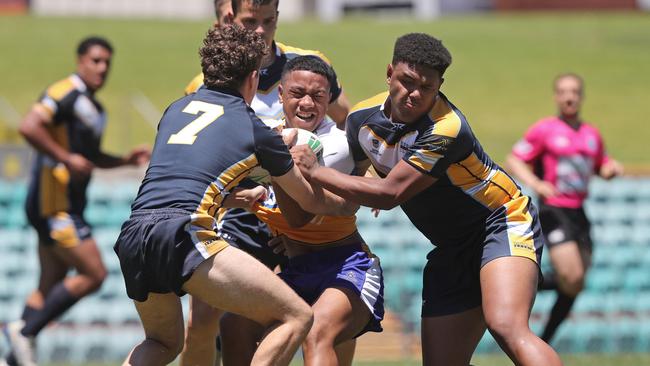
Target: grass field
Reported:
point(500, 77)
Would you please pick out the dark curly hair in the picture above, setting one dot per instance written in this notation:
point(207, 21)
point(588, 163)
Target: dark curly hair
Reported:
point(312, 64)
point(229, 54)
point(422, 50)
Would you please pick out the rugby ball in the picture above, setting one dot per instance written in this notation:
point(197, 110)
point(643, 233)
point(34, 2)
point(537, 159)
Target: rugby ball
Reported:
point(261, 176)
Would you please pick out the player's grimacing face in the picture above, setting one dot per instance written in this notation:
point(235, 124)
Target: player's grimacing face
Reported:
point(413, 91)
point(305, 96)
point(93, 66)
point(568, 95)
point(262, 19)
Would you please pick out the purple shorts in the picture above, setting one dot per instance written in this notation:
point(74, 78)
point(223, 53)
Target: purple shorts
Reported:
point(348, 266)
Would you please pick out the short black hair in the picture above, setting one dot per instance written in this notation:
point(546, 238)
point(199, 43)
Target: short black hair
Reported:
point(236, 4)
point(88, 42)
point(420, 49)
point(313, 64)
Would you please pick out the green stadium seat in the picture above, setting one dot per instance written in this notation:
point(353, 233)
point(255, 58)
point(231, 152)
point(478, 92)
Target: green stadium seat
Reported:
point(544, 300)
point(603, 280)
point(636, 279)
point(626, 334)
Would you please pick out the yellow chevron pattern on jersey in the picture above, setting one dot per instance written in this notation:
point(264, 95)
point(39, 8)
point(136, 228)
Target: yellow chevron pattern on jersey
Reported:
point(60, 89)
point(320, 230)
point(213, 196)
point(370, 102)
point(447, 123)
point(194, 85)
point(490, 187)
point(302, 52)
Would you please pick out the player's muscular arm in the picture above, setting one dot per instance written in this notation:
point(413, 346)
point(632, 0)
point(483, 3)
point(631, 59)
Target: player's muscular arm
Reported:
point(525, 174)
point(291, 210)
point(313, 198)
point(138, 156)
point(34, 128)
point(245, 198)
point(402, 183)
point(338, 110)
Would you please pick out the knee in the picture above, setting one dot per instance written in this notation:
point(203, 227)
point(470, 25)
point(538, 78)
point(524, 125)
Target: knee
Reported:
point(97, 278)
point(171, 348)
point(319, 335)
point(303, 318)
point(503, 325)
point(572, 283)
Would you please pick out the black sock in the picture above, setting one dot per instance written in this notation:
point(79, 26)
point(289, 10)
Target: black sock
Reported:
point(549, 282)
point(56, 303)
point(218, 344)
point(559, 312)
point(28, 312)
point(11, 359)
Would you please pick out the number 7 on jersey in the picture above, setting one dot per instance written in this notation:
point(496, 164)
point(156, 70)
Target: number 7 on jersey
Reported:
point(187, 135)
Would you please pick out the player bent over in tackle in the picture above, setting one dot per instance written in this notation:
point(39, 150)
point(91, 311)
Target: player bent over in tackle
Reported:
point(206, 144)
point(329, 264)
point(484, 268)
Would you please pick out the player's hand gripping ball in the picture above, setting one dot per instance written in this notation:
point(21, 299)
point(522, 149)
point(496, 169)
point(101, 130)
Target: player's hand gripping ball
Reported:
point(261, 176)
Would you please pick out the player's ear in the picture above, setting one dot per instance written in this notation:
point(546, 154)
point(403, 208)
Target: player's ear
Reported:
point(280, 94)
point(389, 73)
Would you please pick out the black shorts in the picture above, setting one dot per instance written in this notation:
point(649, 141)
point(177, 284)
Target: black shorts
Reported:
point(243, 230)
point(66, 230)
point(562, 225)
point(452, 274)
point(160, 249)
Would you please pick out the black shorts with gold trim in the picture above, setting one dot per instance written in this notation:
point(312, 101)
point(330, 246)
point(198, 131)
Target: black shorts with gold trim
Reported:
point(452, 273)
point(66, 230)
point(159, 250)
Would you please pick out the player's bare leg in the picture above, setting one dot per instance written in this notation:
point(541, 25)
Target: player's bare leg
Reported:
point(56, 292)
point(508, 286)
point(53, 270)
point(345, 352)
point(162, 319)
point(570, 266)
point(200, 336)
point(339, 315)
point(236, 282)
point(570, 263)
point(451, 339)
point(239, 337)
point(87, 260)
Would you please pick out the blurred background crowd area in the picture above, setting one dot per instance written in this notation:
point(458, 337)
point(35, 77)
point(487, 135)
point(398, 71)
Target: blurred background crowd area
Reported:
point(506, 53)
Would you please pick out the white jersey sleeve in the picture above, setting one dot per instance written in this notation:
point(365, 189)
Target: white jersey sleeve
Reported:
point(336, 152)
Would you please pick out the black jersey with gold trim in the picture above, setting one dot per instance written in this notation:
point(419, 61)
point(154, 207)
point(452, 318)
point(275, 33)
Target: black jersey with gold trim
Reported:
point(77, 124)
point(207, 142)
point(469, 186)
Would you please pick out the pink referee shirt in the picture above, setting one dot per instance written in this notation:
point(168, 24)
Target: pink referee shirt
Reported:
point(564, 156)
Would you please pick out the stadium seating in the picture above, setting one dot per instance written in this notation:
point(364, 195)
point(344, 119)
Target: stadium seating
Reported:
point(612, 314)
